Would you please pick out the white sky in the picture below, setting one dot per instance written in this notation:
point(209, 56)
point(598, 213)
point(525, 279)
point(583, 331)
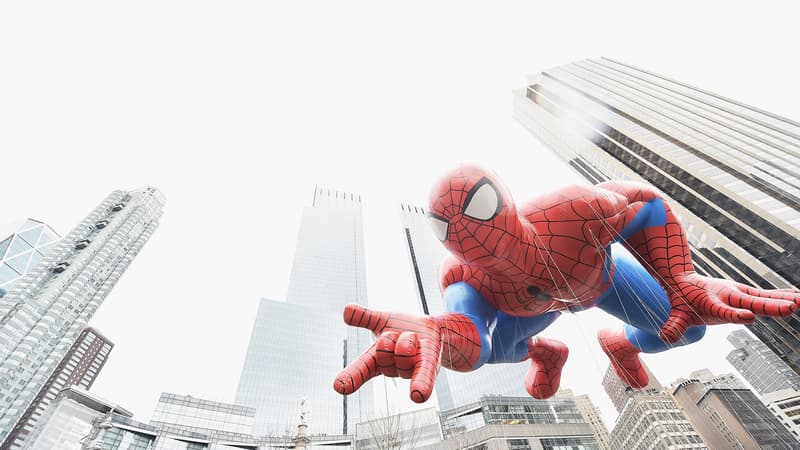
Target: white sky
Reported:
point(235, 110)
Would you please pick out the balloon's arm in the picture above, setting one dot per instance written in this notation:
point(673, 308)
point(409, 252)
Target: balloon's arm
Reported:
point(473, 337)
point(644, 222)
point(414, 347)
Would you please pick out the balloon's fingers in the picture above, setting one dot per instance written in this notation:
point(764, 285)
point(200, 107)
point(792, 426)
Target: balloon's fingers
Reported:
point(425, 371)
point(359, 316)
point(762, 305)
point(357, 373)
point(384, 353)
point(406, 354)
point(789, 294)
point(730, 314)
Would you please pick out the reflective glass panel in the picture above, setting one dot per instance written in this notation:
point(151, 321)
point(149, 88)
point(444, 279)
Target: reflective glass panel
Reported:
point(3, 246)
point(18, 246)
point(7, 274)
point(47, 236)
point(31, 236)
point(20, 263)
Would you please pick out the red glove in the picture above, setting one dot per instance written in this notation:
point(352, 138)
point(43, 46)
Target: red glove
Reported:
point(409, 346)
point(699, 300)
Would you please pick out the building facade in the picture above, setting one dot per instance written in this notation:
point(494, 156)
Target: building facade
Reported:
point(731, 171)
point(785, 405)
point(410, 430)
point(497, 422)
point(45, 311)
point(69, 421)
point(591, 415)
point(79, 420)
point(452, 389)
point(80, 367)
point(187, 413)
point(731, 418)
point(286, 359)
point(652, 420)
point(23, 245)
point(759, 365)
point(619, 392)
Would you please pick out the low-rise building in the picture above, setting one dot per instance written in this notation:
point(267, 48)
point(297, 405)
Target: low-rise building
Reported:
point(408, 430)
point(499, 423)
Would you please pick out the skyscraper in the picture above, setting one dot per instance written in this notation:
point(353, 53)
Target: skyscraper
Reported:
point(731, 171)
point(79, 367)
point(785, 406)
point(592, 416)
point(651, 420)
point(22, 246)
point(453, 389)
point(731, 418)
point(297, 347)
point(619, 392)
point(45, 311)
point(759, 365)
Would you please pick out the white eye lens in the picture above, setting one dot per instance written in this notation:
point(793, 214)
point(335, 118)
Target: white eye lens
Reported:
point(484, 203)
point(439, 228)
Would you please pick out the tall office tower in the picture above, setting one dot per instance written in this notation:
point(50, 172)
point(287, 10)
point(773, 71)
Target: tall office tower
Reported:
point(652, 420)
point(453, 389)
point(45, 311)
point(731, 418)
point(497, 422)
point(731, 171)
point(80, 367)
point(759, 365)
point(785, 405)
point(23, 245)
point(591, 415)
point(297, 347)
point(619, 392)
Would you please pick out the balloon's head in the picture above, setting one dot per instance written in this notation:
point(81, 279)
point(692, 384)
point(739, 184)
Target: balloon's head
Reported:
point(473, 214)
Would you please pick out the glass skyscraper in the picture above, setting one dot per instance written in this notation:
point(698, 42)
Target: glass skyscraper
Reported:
point(731, 171)
point(22, 246)
point(298, 347)
point(453, 389)
point(45, 311)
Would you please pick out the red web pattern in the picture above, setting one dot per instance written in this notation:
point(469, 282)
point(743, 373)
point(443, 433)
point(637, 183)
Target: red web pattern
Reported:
point(624, 358)
point(547, 359)
point(519, 265)
point(554, 248)
point(410, 347)
point(695, 299)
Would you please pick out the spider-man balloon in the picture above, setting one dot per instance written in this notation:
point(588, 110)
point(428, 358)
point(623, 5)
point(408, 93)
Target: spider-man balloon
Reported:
point(615, 246)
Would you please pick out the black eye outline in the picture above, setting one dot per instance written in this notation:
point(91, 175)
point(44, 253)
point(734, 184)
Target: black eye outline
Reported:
point(483, 181)
point(443, 220)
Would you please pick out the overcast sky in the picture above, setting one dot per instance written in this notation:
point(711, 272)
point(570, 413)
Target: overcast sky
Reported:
point(235, 110)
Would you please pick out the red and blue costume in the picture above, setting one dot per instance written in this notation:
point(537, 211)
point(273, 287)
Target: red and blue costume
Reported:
point(615, 246)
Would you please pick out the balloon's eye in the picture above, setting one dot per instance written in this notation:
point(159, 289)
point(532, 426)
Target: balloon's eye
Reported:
point(439, 226)
point(483, 201)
